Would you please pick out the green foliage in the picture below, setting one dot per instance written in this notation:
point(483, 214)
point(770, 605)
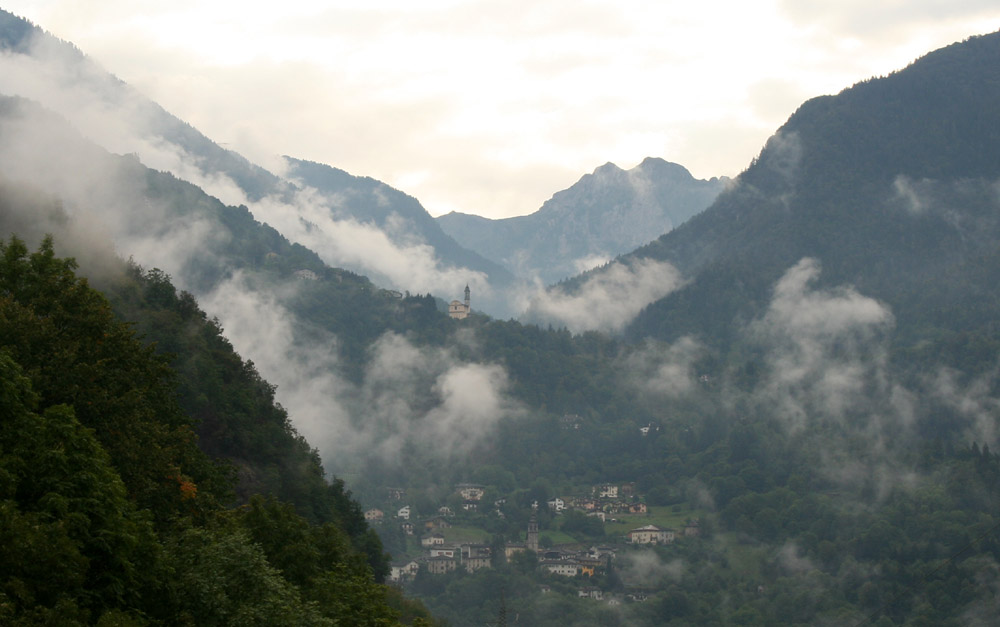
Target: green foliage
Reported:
point(111, 515)
point(65, 337)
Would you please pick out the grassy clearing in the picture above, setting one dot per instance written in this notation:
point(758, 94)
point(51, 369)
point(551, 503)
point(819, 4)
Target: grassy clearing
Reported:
point(664, 517)
point(459, 534)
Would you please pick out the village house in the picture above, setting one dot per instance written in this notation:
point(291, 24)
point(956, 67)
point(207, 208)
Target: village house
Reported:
point(605, 491)
point(403, 512)
point(512, 548)
point(470, 550)
point(561, 567)
point(444, 510)
point(407, 527)
point(601, 553)
point(441, 564)
point(396, 494)
point(444, 551)
point(556, 504)
point(472, 564)
point(590, 592)
point(476, 556)
point(433, 524)
point(432, 540)
point(588, 565)
point(470, 491)
point(374, 515)
point(651, 534)
point(471, 506)
point(637, 508)
point(400, 571)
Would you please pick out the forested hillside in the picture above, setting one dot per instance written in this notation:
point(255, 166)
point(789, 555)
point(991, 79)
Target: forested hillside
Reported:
point(811, 413)
point(111, 513)
point(889, 185)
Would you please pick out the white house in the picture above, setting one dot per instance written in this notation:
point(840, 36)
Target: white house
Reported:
point(567, 569)
point(606, 491)
point(403, 570)
point(443, 551)
point(556, 504)
point(470, 491)
point(651, 534)
point(404, 512)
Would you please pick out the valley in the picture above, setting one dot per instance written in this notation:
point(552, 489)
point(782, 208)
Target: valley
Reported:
point(242, 393)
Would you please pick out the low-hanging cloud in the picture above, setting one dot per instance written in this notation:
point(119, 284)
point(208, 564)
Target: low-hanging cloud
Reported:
point(648, 569)
point(608, 298)
point(664, 370)
point(973, 402)
point(460, 401)
point(408, 395)
point(120, 120)
point(309, 218)
point(824, 347)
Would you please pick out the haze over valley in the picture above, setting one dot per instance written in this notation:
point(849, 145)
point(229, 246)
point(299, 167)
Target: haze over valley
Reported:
point(768, 397)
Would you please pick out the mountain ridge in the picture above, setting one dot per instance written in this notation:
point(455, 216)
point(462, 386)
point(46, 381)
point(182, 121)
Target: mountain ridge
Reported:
point(605, 213)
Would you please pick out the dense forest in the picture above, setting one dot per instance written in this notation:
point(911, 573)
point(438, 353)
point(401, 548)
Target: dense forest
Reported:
point(111, 512)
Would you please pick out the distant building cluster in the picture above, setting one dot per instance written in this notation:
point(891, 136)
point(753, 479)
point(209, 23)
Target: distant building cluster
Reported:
point(439, 556)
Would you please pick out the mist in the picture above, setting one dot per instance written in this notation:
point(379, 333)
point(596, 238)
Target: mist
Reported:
point(607, 299)
point(409, 396)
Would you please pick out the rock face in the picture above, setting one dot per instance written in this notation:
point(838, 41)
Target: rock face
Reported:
point(606, 213)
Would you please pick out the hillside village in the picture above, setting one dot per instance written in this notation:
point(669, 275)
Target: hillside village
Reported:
point(437, 551)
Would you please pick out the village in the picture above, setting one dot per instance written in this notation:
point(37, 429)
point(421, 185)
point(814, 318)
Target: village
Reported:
point(440, 551)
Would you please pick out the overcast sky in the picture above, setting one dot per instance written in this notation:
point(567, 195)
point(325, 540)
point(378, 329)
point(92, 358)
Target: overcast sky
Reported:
point(490, 107)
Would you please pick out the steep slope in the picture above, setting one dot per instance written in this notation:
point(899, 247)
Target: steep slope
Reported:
point(400, 216)
point(604, 214)
point(113, 115)
point(889, 185)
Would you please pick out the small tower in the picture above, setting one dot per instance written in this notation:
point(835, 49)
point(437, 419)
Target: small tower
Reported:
point(532, 542)
point(459, 310)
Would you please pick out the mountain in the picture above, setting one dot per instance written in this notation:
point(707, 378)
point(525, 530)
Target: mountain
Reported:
point(399, 215)
point(814, 399)
point(889, 186)
point(113, 115)
point(604, 214)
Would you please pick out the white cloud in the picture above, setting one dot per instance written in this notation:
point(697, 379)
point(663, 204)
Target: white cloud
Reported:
point(408, 395)
point(608, 298)
point(825, 357)
point(646, 568)
point(664, 371)
point(500, 105)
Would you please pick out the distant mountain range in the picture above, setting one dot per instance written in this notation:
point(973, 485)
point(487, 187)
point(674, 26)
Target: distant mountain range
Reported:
point(889, 186)
point(807, 366)
point(399, 215)
point(604, 214)
point(109, 113)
